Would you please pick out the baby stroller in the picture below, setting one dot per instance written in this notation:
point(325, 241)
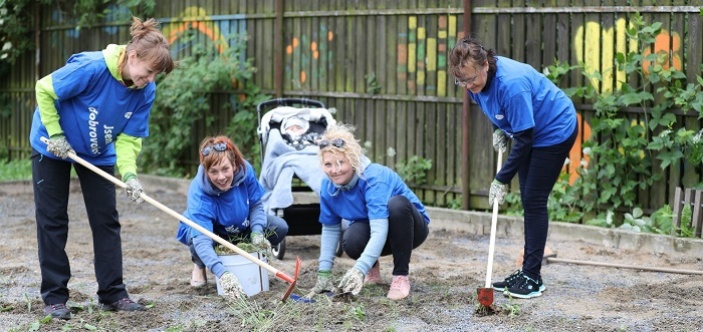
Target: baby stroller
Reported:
point(289, 129)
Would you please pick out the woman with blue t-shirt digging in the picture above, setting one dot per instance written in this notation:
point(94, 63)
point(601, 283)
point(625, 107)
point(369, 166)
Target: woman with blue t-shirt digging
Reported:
point(385, 217)
point(540, 119)
point(96, 106)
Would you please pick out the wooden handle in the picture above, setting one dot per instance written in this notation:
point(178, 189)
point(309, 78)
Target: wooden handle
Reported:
point(180, 217)
point(494, 225)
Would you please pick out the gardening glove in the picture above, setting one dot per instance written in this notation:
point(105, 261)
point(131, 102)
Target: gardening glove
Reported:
point(59, 146)
point(231, 288)
point(352, 281)
point(324, 284)
point(134, 188)
point(500, 142)
point(498, 191)
point(261, 243)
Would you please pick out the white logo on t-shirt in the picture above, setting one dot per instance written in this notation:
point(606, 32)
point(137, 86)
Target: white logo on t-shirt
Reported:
point(499, 116)
point(128, 115)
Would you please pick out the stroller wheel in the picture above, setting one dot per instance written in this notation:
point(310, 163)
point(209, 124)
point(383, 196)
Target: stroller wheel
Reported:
point(279, 250)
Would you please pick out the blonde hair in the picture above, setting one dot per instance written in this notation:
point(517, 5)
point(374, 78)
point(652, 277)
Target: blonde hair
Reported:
point(150, 45)
point(350, 148)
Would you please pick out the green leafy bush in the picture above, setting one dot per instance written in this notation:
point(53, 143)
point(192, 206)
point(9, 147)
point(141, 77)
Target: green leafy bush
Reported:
point(184, 97)
point(414, 170)
point(625, 152)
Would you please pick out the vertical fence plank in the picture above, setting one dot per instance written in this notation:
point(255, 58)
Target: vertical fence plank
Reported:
point(533, 37)
point(693, 58)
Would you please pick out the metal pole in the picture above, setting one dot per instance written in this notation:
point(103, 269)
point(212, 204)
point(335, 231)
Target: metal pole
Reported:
point(465, 127)
point(278, 48)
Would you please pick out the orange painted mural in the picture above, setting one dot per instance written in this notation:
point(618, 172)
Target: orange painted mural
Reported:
point(310, 50)
point(667, 47)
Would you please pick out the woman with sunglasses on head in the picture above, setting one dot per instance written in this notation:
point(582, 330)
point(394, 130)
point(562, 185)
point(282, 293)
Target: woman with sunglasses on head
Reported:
point(525, 106)
point(385, 217)
point(97, 106)
point(225, 198)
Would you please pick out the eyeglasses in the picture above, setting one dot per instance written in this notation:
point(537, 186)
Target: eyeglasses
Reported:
point(219, 147)
point(463, 84)
point(337, 143)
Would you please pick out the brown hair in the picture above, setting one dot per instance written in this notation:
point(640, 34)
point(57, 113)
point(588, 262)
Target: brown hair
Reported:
point(215, 157)
point(150, 45)
point(351, 148)
point(468, 51)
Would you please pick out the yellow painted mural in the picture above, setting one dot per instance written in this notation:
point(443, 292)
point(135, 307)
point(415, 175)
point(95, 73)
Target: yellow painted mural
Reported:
point(597, 52)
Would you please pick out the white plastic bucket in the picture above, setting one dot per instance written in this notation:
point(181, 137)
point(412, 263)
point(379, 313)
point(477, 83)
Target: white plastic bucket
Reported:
point(251, 276)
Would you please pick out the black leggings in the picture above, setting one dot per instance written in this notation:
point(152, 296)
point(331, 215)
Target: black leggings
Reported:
point(537, 178)
point(407, 230)
point(51, 183)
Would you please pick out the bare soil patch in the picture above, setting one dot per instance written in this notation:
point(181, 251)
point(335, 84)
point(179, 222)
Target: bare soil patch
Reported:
point(445, 273)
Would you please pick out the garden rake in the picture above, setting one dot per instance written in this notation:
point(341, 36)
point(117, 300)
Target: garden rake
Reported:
point(292, 280)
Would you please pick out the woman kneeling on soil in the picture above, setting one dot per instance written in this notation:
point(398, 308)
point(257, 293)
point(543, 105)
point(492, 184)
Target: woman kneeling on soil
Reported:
point(385, 217)
point(225, 198)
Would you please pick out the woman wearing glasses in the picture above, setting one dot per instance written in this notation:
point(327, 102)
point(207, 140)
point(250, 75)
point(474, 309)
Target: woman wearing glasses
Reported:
point(385, 217)
point(225, 198)
point(540, 119)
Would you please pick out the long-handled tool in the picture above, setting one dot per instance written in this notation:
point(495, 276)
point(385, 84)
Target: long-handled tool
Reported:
point(213, 236)
point(552, 259)
point(485, 295)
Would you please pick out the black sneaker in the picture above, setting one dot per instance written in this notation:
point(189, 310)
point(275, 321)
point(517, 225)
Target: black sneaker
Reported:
point(58, 311)
point(526, 288)
point(508, 282)
point(124, 304)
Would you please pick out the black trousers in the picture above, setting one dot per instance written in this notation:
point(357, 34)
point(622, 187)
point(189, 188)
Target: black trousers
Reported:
point(407, 230)
point(537, 178)
point(51, 180)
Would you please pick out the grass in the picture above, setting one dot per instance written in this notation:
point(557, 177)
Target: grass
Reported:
point(18, 169)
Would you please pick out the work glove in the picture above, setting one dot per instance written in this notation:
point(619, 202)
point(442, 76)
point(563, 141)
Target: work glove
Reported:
point(352, 281)
point(324, 284)
point(500, 142)
point(261, 243)
point(231, 288)
point(58, 145)
point(134, 188)
point(498, 191)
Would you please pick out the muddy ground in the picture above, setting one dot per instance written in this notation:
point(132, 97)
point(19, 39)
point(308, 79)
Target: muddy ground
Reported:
point(445, 273)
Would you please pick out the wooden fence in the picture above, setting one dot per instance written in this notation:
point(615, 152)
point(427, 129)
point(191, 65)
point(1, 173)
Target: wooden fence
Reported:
point(383, 66)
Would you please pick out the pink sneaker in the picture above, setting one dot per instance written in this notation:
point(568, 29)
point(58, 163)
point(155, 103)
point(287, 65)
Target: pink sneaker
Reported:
point(400, 288)
point(374, 275)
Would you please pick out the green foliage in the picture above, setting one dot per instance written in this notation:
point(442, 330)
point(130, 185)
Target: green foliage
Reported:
point(17, 169)
point(513, 204)
point(372, 85)
point(183, 98)
point(563, 204)
point(414, 170)
point(556, 71)
point(625, 152)
point(18, 20)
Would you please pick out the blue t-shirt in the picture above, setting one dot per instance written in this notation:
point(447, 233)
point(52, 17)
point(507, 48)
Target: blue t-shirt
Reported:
point(367, 200)
point(224, 212)
point(94, 107)
point(519, 98)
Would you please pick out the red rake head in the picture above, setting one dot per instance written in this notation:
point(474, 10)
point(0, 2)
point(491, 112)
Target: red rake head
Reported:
point(293, 281)
point(485, 296)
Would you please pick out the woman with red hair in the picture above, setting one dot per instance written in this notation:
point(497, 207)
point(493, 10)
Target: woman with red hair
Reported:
point(225, 198)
